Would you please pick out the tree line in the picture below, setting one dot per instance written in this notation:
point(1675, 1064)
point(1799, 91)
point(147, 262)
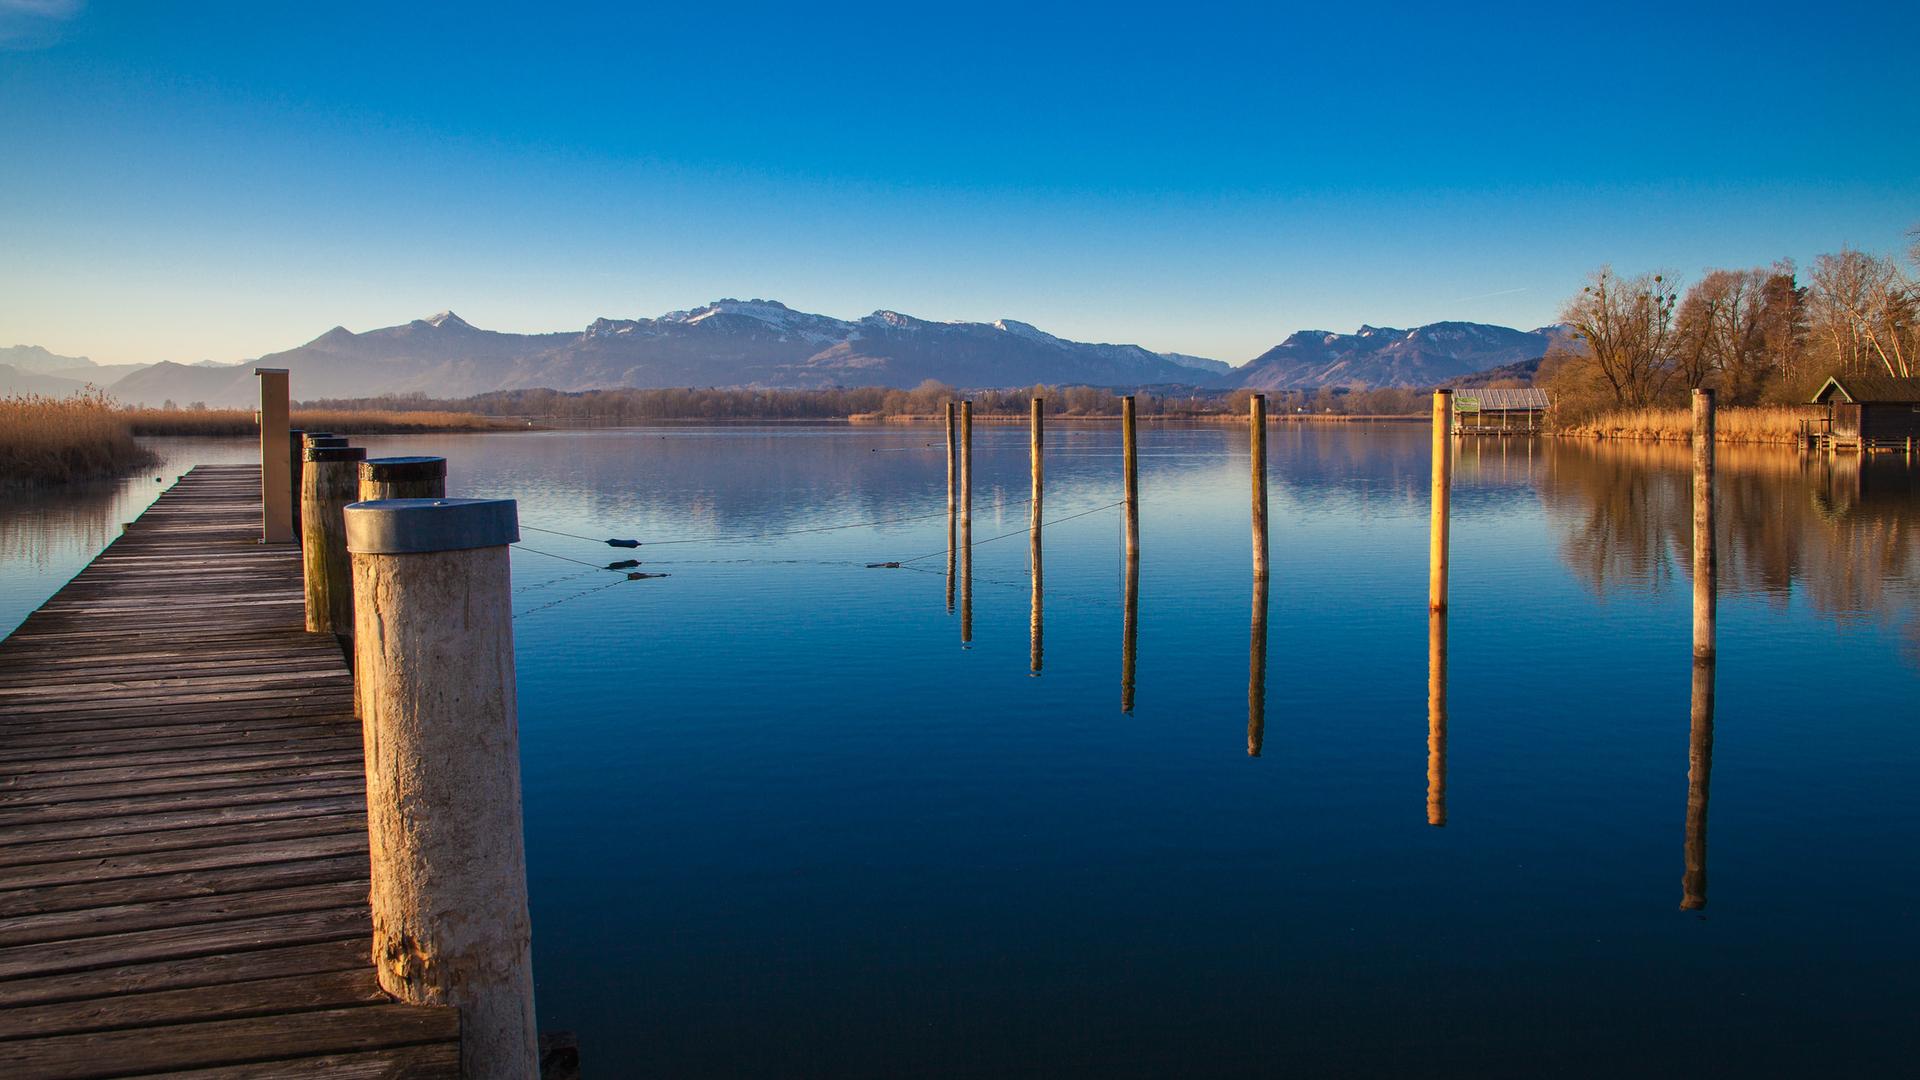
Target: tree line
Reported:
point(1760, 335)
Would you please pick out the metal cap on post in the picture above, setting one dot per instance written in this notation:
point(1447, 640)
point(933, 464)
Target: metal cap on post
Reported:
point(434, 651)
point(403, 478)
point(325, 440)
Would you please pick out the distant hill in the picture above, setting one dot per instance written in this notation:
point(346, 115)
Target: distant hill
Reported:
point(1377, 356)
point(15, 381)
point(725, 343)
point(1523, 373)
point(37, 359)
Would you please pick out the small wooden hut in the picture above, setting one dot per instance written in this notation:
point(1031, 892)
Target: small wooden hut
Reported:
point(1870, 412)
point(1486, 411)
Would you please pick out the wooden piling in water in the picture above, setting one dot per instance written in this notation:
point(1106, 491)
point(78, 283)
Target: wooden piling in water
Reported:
point(1438, 540)
point(953, 495)
point(1706, 564)
point(276, 505)
point(1257, 669)
point(329, 481)
point(1437, 718)
point(434, 644)
point(966, 523)
point(1036, 454)
point(296, 465)
point(1257, 424)
point(403, 478)
point(1130, 476)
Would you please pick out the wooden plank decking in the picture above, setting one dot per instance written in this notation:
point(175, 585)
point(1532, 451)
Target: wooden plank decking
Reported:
point(183, 839)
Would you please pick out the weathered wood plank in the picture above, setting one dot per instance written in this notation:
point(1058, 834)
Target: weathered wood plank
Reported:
point(228, 1042)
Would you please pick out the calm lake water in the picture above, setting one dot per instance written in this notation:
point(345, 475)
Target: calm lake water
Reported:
point(782, 822)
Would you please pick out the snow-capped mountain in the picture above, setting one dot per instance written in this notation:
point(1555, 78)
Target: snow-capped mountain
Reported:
point(1383, 356)
point(726, 343)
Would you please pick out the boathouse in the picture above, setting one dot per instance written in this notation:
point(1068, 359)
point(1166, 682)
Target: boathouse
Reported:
point(1870, 411)
point(1487, 411)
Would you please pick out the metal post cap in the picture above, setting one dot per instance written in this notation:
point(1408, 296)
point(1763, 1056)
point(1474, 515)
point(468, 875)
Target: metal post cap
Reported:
point(319, 434)
point(416, 526)
point(388, 470)
point(335, 453)
point(312, 441)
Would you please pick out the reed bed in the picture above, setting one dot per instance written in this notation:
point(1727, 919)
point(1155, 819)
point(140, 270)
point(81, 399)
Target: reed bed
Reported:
point(1755, 424)
point(46, 440)
point(219, 422)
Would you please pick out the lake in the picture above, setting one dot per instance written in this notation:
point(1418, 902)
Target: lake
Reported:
point(781, 820)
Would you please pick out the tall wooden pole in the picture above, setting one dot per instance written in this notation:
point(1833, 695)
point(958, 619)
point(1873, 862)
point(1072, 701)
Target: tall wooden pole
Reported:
point(1257, 669)
point(966, 523)
point(953, 495)
point(1437, 718)
point(1693, 881)
point(1706, 566)
point(1257, 425)
point(276, 505)
point(1442, 500)
point(1130, 475)
point(1036, 454)
point(434, 645)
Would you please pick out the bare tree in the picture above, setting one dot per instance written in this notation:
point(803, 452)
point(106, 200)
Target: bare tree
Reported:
point(1864, 309)
point(1627, 325)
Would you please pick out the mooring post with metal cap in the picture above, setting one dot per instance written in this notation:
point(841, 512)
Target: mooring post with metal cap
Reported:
point(276, 510)
point(433, 643)
point(403, 478)
point(329, 481)
point(1437, 541)
point(1257, 425)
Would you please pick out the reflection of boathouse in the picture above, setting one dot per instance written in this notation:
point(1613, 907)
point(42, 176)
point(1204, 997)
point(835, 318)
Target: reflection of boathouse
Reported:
point(1482, 411)
point(1867, 412)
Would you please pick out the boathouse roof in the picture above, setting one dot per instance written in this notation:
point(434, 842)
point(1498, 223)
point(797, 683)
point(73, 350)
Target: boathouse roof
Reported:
point(1869, 389)
point(1486, 399)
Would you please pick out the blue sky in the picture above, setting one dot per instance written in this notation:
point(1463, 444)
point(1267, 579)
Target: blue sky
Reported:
point(205, 180)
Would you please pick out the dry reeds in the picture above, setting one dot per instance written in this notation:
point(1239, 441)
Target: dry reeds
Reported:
point(1756, 424)
point(217, 422)
point(45, 440)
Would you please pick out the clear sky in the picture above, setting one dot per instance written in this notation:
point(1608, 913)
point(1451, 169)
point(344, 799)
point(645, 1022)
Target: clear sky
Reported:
point(210, 180)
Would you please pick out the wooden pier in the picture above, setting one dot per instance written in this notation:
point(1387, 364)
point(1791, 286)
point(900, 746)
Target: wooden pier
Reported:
point(183, 836)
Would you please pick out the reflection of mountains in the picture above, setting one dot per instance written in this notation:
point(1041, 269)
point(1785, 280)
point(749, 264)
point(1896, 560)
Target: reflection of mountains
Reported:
point(1846, 530)
point(38, 526)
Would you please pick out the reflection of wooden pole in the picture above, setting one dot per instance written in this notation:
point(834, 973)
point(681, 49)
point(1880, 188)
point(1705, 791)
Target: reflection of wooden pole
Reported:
point(1130, 475)
point(953, 494)
point(1257, 669)
point(1693, 883)
point(1442, 499)
point(276, 505)
point(1706, 566)
point(1036, 452)
point(1257, 423)
point(966, 522)
point(1129, 632)
point(1436, 718)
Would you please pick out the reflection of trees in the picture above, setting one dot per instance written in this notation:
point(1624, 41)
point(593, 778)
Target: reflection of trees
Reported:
point(1846, 531)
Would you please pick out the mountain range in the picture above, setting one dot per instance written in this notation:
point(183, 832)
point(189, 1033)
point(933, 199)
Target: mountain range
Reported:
point(763, 343)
